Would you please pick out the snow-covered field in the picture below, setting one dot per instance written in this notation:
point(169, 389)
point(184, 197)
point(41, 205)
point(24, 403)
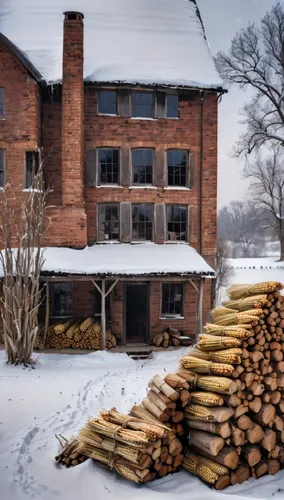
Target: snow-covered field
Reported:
point(60, 394)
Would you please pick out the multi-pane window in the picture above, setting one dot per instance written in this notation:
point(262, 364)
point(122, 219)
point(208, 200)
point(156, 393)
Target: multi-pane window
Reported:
point(176, 222)
point(62, 299)
point(107, 102)
point(142, 104)
point(32, 164)
point(108, 222)
point(108, 161)
point(172, 106)
point(2, 168)
point(2, 101)
point(142, 222)
point(142, 166)
point(177, 168)
point(172, 299)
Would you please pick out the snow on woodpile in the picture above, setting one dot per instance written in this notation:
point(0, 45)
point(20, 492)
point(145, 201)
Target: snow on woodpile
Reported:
point(130, 41)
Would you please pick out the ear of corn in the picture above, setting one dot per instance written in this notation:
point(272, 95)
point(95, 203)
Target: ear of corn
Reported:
point(192, 463)
point(236, 331)
point(198, 365)
point(250, 317)
point(206, 398)
point(236, 292)
point(214, 343)
point(231, 356)
point(246, 303)
point(217, 468)
point(221, 385)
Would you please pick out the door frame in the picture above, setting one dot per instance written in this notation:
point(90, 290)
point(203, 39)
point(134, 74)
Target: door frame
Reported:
point(136, 283)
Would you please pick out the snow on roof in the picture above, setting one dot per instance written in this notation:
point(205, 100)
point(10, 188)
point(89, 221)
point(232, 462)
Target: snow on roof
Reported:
point(126, 260)
point(125, 41)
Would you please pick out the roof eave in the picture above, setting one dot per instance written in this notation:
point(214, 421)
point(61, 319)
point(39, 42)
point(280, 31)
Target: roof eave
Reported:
point(22, 58)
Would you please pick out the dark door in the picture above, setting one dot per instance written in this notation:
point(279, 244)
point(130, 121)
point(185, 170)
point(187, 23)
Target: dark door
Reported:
point(136, 313)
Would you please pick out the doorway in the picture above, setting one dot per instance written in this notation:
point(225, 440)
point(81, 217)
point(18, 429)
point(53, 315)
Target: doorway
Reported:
point(136, 314)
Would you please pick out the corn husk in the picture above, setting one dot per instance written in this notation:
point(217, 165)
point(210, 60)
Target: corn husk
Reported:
point(214, 343)
point(192, 463)
point(246, 303)
point(198, 365)
point(236, 292)
point(250, 317)
point(150, 428)
point(206, 398)
point(230, 356)
point(222, 385)
point(237, 331)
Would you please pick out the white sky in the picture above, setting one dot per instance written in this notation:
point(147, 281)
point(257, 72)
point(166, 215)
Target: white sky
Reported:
point(222, 20)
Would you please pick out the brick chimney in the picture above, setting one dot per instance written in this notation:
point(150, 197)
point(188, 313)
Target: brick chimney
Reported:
point(72, 111)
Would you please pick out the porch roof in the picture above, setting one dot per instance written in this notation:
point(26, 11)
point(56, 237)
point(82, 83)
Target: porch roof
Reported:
point(126, 260)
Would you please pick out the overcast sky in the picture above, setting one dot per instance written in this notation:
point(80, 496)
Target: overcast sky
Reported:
point(222, 20)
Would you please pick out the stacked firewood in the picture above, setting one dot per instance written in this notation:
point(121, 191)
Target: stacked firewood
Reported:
point(170, 337)
point(239, 423)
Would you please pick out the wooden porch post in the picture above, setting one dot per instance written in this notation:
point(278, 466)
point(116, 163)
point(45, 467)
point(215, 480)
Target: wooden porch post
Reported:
point(103, 316)
point(46, 314)
point(200, 309)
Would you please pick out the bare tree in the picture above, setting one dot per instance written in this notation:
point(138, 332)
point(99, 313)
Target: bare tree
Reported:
point(224, 274)
point(267, 188)
point(238, 223)
point(21, 259)
point(255, 61)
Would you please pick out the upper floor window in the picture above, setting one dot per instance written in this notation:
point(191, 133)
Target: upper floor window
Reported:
point(108, 161)
point(107, 102)
point(142, 222)
point(172, 106)
point(2, 101)
point(108, 222)
point(177, 168)
point(142, 104)
point(176, 222)
point(31, 167)
point(172, 299)
point(142, 166)
point(2, 168)
point(61, 300)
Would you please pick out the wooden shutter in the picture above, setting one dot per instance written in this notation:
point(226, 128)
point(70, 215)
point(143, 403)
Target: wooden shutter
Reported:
point(2, 168)
point(100, 219)
point(160, 223)
point(90, 167)
point(125, 167)
point(160, 168)
point(124, 102)
point(189, 224)
point(191, 168)
point(161, 104)
point(125, 222)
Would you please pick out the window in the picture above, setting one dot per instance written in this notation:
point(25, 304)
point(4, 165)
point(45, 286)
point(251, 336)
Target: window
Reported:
point(142, 166)
point(172, 299)
point(2, 168)
point(62, 299)
point(107, 102)
point(2, 101)
point(31, 167)
point(177, 168)
point(172, 106)
point(108, 222)
point(176, 223)
point(142, 222)
point(108, 160)
point(142, 104)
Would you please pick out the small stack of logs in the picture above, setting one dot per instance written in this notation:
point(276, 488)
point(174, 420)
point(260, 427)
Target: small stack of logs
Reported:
point(170, 337)
point(241, 426)
point(75, 334)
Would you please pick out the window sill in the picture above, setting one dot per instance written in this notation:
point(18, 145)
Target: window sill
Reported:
point(168, 318)
point(144, 118)
point(176, 242)
point(143, 187)
point(176, 188)
point(108, 242)
point(109, 186)
point(3, 118)
point(61, 317)
point(172, 118)
point(108, 114)
point(30, 190)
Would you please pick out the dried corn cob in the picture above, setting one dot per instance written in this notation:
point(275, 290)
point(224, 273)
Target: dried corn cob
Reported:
point(123, 467)
point(246, 303)
point(235, 292)
point(248, 317)
point(206, 398)
point(213, 343)
point(135, 423)
point(192, 464)
point(217, 468)
point(137, 439)
point(221, 385)
point(198, 365)
point(231, 356)
point(229, 331)
point(208, 414)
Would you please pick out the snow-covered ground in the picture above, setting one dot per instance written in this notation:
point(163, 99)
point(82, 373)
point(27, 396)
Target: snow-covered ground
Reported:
point(61, 393)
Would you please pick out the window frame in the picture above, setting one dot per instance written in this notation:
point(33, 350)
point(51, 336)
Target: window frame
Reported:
point(153, 106)
point(3, 151)
point(116, 103)
point(166, 107)
point(174, 316)
point(133, 205)
point(187, 174)
point(138, 184)
point(53, 316)
point(37, 167)
point(168, 240)
point(103, 184)
point(2, 102)
point(98, 222)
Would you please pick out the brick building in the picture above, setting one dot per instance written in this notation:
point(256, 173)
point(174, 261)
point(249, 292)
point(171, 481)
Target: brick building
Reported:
point(129, 139)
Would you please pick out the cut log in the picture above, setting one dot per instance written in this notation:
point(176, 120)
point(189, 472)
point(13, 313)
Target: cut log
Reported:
point(273, 466)
point(223, 430)
point(261, 468)
point(254, 434)
point(252, 455)
point(244, 423)
point(255, 405)
point(165, 388)
point(240, 475)
point(227, 457)
point(269, 440)
point(238, 436)
point(163, 416)
point(240, 410)
point(175, 447)
point(176, 382)
point(265, 415)
point(206, 442)
point(222, 482)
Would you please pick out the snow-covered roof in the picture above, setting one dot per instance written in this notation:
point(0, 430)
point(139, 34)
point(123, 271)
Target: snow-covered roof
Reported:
point(124, 259)
point(125, 41)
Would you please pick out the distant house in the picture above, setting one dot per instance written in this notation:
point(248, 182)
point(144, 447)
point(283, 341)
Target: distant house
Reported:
point(127, 119)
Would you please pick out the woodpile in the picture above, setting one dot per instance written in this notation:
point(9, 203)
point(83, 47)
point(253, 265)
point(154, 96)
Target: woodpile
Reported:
point(240, 429)
point(75, 334)
point(170, 337)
